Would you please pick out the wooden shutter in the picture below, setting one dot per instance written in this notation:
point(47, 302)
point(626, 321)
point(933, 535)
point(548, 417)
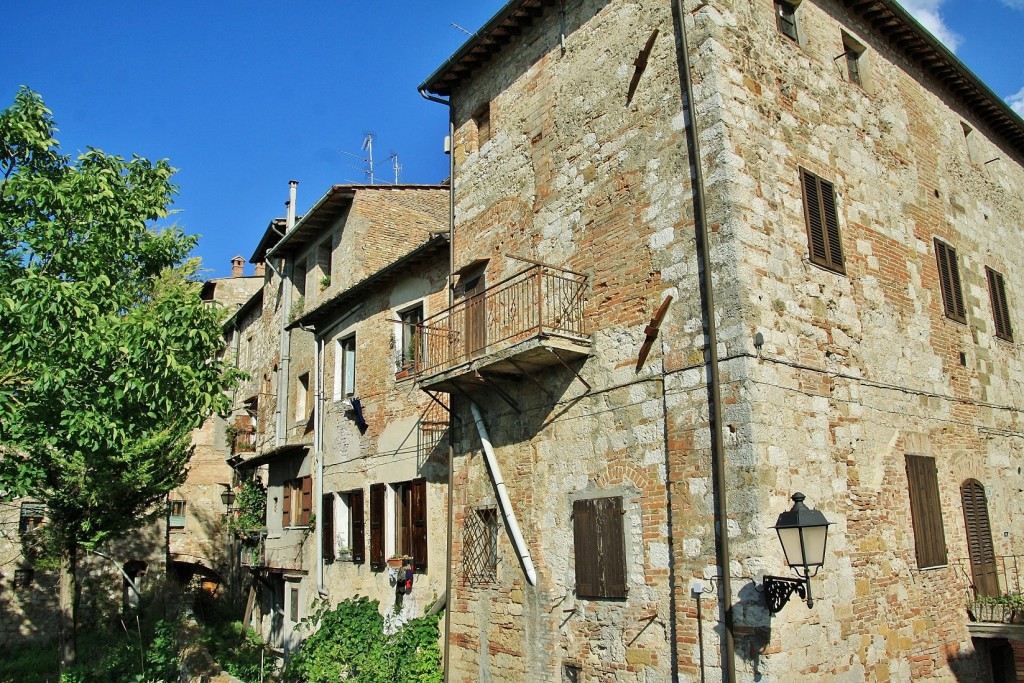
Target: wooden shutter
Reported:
point(419, 523)
point(377, 526)
point(286, 519)
point(1000, 309)
point(926, 511)
point(306, 501)
point(824, 242)
point(327, 527)
point(600, 549)
point(949, 279)
point(979, 538)
point(355, 512)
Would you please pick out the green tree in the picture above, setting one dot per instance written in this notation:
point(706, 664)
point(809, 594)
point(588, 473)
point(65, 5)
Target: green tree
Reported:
point(107, 353)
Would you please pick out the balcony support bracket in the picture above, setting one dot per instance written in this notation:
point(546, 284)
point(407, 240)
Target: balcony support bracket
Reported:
point(570, 369)
point(526, 373)
point(499, 391)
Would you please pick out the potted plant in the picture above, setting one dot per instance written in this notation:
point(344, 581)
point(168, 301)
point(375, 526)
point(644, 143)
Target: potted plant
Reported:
point(396, 561)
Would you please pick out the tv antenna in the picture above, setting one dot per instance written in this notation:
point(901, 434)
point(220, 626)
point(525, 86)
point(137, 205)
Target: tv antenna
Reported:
point(368, 159)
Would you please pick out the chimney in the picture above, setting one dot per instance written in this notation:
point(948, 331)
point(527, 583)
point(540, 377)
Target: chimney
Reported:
point(259, 269)
point(292, 188)
point(237, 266)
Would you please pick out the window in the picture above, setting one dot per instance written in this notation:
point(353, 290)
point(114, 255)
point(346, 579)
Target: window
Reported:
point(926, 512)
point(31, 517)
point(327, 527)
point(785, 19)
point(23, 577)
point(949, 279)
point(404, 523)
point(177, 518)
point(349, 525)
point(411, 348)
point(823, 239)
point(299, 279)
point(481, 546)
point(294, 599)
point(599, 547)
point(482, 122)
point(979, 538)
point(298, 501)
point(853, 52)
point(323, 262)
point(1000, 309)
point(303, 397)
point(345, 368)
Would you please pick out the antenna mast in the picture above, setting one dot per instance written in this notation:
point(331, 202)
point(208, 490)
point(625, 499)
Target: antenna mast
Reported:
point(368, 148)
point(397, 167)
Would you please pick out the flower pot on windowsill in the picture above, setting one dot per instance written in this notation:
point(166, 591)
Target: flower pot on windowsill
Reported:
point(396, 562)
point(404, 373)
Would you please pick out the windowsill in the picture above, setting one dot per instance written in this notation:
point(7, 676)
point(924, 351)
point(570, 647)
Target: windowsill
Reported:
point(404, 374)
point(295, 528)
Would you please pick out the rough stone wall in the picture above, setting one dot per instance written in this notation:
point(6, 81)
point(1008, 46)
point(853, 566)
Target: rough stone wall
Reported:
point(573, 176)
point(858, 370)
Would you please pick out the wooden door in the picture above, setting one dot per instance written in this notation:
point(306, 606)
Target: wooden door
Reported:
point(475, 317)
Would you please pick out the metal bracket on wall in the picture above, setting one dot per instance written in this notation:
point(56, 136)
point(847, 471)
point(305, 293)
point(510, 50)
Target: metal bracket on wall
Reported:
point(569, 368)
point(779, 589)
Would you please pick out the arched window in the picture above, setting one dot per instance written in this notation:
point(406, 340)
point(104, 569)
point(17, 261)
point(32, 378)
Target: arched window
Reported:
point(979, 538)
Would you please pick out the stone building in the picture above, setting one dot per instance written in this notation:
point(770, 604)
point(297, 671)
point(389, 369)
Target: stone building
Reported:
point(354, 462)
point(706, 256)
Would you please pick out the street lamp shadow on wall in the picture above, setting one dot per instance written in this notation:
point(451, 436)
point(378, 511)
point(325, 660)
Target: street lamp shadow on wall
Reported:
point(803, 533)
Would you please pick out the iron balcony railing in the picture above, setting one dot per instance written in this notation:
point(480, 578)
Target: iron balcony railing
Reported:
point(1004, 571)
point(540, 301)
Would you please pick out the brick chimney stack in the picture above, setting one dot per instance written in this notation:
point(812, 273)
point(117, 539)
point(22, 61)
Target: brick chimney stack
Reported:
point(237, 266)
point(259, 270)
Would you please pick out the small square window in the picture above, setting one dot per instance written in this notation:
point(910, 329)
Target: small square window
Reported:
point(785, 19)
point(323, 262)
point(303, 397)
point(31, 517)
point(177, 516)
point(853, 54)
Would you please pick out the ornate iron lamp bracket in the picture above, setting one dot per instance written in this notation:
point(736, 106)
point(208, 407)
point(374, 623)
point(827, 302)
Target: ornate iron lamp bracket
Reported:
point(779, 589)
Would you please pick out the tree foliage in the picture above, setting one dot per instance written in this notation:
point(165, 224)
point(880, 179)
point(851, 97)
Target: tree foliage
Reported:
point(107, 352)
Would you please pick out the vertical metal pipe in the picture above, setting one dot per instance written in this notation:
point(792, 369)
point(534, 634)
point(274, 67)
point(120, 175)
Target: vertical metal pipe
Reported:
point(714, 381)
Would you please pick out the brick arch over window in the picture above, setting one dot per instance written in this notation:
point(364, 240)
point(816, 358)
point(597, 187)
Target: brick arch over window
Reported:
point(622, 474)
point(981, 552)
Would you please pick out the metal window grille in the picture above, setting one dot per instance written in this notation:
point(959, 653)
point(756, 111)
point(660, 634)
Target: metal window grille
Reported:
point(481, 546)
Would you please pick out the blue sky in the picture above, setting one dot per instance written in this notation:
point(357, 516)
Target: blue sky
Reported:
point(244, 96)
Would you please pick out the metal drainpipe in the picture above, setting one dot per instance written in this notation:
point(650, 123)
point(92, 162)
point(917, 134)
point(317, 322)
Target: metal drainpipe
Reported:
point(714, 386)
point(318, 456)
point(451, 419)
point(284, 345)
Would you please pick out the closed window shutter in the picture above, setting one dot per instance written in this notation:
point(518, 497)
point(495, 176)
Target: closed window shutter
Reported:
point(287, 517)
point(1000, 309)
point(419, 523)
point(599, 543)
point(306, 502)
point(926, 511)
point(377, 526)
point(356, 514)
point(327, 526)
point(949, 279)
point(979, 538)
point(824, 241)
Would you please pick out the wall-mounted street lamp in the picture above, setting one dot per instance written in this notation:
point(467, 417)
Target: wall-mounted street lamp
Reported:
point(803, 533)
point(227, 496)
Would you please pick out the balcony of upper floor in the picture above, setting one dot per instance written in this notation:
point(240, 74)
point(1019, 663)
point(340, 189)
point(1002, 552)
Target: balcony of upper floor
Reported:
point(995, 603)
point(519, 326)
point(243, 442)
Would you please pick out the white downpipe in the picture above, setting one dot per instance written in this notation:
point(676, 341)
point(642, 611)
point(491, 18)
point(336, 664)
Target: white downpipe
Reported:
point(503, 499)
point(318, 456)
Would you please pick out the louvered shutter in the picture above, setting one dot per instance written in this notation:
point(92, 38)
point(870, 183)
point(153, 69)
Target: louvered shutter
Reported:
point(306, 502)
point(949, 279)
point(979, 538)
point(377, 526)
point(327, 527)
point(599, 544)
point(286, 519)
point(419, 523)
point(926, 511)
point(823, 238)
point(1000, 309)
point(356, 514)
